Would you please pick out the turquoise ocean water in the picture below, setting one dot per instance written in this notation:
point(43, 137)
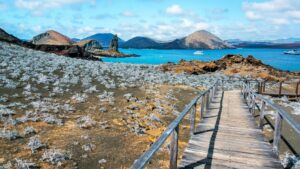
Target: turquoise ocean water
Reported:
point(273, 57)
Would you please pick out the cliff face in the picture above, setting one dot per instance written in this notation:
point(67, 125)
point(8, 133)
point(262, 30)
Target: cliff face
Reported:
point(197, 40)
point(89, 45)
point(103, 39)
point(51, 38)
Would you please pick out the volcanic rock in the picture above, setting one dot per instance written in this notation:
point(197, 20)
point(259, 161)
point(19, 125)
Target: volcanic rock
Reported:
point(51, 37)
point(89, 45)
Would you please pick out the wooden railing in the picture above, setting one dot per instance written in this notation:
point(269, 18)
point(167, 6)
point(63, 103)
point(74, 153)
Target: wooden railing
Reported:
point(173, 128)
point(261, 89)
point(251, 97)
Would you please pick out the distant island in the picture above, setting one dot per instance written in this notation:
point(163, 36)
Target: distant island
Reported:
point(55, 42)
point(279, 43)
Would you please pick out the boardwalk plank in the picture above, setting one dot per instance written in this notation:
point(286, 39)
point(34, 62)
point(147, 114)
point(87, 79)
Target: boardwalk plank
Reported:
point(228, 137)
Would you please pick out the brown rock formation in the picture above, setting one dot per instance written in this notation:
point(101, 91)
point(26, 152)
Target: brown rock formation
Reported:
point(231, 64)
point(89, 45)
point(51, 37)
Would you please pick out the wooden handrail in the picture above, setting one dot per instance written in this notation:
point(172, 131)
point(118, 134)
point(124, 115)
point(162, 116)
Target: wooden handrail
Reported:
point(251, 96)
point(173, 129)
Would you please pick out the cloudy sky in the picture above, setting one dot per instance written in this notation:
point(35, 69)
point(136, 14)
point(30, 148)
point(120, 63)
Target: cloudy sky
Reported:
point(159, 19)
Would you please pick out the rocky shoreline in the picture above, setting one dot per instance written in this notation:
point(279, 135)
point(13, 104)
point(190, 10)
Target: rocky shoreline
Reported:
point(232, 65)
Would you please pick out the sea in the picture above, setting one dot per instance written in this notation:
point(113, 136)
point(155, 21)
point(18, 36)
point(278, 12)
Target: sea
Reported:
point(273, 57)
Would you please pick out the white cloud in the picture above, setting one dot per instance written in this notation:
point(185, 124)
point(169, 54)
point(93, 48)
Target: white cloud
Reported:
point(38, 6)
point(277, 12)
point(127, 14)
point(174, 10)
point(163, 31)
point(37, 28)
point(252, 15)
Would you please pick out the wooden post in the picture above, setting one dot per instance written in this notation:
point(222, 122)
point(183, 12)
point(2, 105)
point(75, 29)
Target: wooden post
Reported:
point(264, 88)
point(277, 133)
point(261, 114)
point(280, 88)
point(207, 100)
point(258, 87)
point(202, 107)
point(297, 89)
point(192, 118)
point(211, 94)
point(174, 149)
point(253, 105)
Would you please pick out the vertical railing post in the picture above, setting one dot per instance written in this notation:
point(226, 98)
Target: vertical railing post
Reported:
point(262, 114)
point(192, 118)
point(264, 88)
point(174, 149)
point(253, 105)
point(207, 100)
point(280, 88)
point(297, 90)
point(277, 133)
point(202, 107)
point(211, 94)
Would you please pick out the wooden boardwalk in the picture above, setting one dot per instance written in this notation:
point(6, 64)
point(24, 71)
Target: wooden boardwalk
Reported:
point(228, 137)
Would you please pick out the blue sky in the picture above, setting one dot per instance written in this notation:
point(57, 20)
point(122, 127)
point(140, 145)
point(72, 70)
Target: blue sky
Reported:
point(159, 19)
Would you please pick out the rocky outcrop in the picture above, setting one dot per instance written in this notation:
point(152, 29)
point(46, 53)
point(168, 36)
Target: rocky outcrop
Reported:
point(230, 65)
point(4, 36)
point(66, 50)
point(89, 45)
point(114, 46)
point(51, 37)
point(113, 54)
point(103, 39)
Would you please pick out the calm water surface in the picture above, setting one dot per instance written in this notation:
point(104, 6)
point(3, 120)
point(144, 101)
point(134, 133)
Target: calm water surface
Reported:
point(273, 57)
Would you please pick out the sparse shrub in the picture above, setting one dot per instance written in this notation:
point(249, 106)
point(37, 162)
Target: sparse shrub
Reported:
point(86, 122)
point(25, 165)
point(10, 135)
point(53, 156)
point(35, 144)
point(29, 130)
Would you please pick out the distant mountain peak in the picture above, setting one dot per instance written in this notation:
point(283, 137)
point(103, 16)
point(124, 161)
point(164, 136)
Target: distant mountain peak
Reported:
point(51, 37)
point(201, 39)
point(204, 39)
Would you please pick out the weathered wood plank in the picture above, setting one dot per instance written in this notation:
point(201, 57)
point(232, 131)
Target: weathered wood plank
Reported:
point(228, 138)
point(174, 149)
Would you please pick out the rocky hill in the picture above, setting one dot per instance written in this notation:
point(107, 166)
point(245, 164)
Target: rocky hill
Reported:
point(51, 37)
point(141, 43)
point(4, 36)
point(89, 45)
point(204, 39)
point(104, 39)
point(197, 40)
